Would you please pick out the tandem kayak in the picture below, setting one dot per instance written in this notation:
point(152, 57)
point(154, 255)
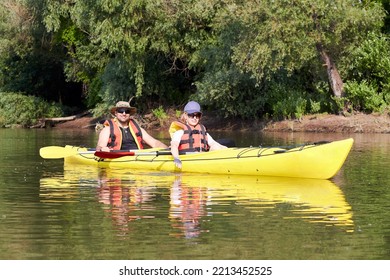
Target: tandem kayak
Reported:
point(321, 160)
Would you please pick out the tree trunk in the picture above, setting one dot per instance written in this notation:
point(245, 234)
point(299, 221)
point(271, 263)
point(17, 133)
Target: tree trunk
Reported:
point(334, 78)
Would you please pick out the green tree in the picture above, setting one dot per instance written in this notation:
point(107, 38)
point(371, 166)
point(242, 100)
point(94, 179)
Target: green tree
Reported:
point(124, 44)
point(241, 56)
point(254, 47)
point(30, 61)
point(288, 34)
point(386, 6)
point(368, 85)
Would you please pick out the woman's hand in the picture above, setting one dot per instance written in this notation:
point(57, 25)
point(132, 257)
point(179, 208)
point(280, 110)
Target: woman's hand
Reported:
point(177, 162)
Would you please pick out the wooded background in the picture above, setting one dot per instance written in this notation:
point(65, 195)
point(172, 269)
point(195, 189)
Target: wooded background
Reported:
point(243, 58)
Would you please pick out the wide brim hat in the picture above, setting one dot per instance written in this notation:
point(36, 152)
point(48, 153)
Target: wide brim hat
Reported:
point(123, 104)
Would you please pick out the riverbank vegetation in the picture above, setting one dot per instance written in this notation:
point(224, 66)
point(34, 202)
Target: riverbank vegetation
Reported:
point(249, 59)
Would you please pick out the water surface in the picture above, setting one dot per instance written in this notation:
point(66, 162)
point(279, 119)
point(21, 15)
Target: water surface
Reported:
point(52, 211)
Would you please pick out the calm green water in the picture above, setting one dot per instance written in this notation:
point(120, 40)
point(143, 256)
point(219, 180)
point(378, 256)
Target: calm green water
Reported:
point(52, 211)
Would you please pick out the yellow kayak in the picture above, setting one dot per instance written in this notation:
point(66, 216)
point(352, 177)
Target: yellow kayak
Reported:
point(316, 201)
point(317, 160)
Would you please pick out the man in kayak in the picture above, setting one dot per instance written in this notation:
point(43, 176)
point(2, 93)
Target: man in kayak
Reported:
point(123, 132)
point(189, 135)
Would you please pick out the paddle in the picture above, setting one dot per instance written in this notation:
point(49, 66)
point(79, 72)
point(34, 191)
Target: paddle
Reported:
point(53, 152)
point(118, 154)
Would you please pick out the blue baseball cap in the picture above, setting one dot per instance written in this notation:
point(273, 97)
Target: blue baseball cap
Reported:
point(192, 107)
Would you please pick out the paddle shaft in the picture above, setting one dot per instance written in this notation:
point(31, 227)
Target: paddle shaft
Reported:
point(57, 152)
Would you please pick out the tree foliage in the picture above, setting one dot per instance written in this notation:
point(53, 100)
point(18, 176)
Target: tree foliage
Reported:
point(256, 43)
point(248, 59)
point(368, 86)
point(31, 61)
point(291, 37)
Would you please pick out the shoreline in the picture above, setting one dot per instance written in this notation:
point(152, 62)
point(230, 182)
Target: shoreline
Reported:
point(322, 123)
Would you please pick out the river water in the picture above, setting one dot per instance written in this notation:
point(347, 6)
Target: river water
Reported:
point(49, 211)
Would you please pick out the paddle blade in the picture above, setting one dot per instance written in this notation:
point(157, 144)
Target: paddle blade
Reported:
point(118, 153)
point(52, 152)
point(102, 154)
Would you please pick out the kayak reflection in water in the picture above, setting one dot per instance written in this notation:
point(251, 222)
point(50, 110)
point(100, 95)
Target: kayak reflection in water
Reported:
point(189, 135)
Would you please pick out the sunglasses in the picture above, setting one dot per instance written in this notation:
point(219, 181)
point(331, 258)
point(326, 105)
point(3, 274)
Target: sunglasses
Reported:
point(195, 115)
point(123, 110)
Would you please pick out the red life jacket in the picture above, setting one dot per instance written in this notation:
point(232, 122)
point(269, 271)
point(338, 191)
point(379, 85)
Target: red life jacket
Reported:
point(115, 139)
point(193, 140)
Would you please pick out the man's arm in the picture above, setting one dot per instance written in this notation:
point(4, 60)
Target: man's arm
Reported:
point(103, 140)
point(152, 142)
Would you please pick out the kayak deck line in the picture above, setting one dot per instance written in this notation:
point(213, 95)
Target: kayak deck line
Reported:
point(240, 155)
point(261, 150)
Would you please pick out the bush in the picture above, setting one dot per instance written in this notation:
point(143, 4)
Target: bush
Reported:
point(160, 114)
point(364, 97)
point(287, 102)
point(19, 109)
point(368, 82)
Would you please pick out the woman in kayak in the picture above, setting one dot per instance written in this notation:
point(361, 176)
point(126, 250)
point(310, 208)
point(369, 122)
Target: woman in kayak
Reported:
point(123, 133)
point(189, 135)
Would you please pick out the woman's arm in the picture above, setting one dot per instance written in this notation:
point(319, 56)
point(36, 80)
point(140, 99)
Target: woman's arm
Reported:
point(214, 145)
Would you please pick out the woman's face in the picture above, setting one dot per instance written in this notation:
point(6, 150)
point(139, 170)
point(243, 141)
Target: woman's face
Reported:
point(194, 118)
